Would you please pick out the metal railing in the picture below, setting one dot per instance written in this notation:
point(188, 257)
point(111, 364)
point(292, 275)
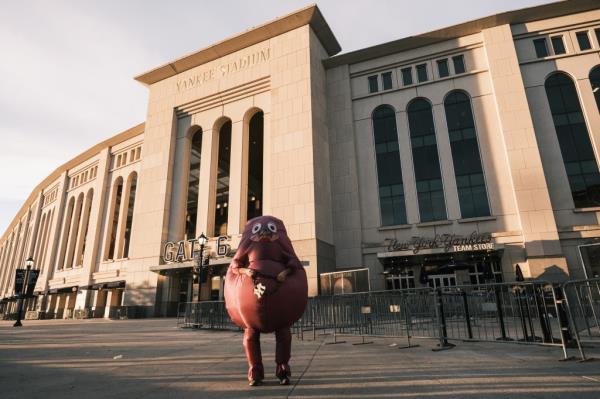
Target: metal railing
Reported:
point(583, 305)
point(527, 312)
point(207, 314)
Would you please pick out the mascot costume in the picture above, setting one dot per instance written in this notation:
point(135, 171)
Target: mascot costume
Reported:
point(266, 291)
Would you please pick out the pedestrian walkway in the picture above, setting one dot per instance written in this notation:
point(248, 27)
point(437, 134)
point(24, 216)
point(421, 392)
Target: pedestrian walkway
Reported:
point(152, 359)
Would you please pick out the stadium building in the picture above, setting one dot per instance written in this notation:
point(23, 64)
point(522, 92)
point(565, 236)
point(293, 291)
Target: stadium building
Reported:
point(442, 159)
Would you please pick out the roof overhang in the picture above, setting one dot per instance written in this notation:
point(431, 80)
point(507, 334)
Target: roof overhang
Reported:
point(310, 15)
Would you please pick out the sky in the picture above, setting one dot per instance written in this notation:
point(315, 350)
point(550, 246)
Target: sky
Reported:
point(67, 67)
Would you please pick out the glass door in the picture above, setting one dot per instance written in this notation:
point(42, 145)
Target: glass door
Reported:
point(443, 281)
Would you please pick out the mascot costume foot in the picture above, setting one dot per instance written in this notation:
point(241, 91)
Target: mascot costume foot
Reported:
point(266, 291)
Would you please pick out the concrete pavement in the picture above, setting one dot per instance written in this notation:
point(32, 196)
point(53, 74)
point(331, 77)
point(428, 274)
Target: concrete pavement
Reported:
point(153, 359)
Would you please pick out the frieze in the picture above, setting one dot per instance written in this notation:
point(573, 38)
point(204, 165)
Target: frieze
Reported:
point(221, 71)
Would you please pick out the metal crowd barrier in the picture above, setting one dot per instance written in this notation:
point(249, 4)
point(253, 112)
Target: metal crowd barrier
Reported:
point(535, 312)
point(583, 304)
point(206, 314)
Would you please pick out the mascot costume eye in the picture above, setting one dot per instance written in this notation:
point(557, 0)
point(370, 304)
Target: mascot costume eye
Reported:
point(266, 291)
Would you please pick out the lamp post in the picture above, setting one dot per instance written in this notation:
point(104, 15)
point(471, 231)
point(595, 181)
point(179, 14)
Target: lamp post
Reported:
point(202, 240)
point(23, 290)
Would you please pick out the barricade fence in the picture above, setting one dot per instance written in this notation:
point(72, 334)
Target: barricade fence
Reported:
point(583, 305)
point(535, 312)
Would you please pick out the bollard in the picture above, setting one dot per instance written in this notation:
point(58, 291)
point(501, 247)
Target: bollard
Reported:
point(444, 344)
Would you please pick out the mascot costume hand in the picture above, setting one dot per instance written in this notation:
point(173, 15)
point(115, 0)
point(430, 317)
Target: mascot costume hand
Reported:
point(266, 291)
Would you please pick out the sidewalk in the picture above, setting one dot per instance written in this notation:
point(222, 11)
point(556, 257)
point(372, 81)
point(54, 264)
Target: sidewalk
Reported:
point(153, 359)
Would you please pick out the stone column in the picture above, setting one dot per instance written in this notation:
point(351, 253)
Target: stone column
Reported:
point(236, 178)
point(544, 254)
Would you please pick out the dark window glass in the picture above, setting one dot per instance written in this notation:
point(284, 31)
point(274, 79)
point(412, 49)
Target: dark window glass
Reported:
point(574, 141)
point(129, 221)
point(422, 72)
point(193, 186)
point(407, 76)
point(584, 40)
point(597, 31)
point(430, 191)
point(255, 166)
point(459, 64)
point(373, 86)
point(595, 82)
point(118, 193)
point(558, 45)
point(387, 80)
point(470, 183)
point(86, 226)
point(541, 49)
point(443, 68)
point(222, 195)
point(389, 171)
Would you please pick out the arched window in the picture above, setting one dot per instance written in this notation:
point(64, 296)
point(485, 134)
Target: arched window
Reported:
point(193, 189)
point(222, 189)
point(66, 232)
point(114, 220)
point(255, 166)
point(466, 158)
point(430, 190)
point(389, 171)
point(85, 220)
point(39, 239)
point(44, 243)
point(595, 82)
point(129, 220)
point(74, 231)
point(574, 141)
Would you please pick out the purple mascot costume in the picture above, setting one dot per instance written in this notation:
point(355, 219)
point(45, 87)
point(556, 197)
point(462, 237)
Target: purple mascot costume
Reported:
point(266, 291)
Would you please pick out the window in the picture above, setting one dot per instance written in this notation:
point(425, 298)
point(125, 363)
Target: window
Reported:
point(405, 279)
point(422, 72)
point(597, 31)
point(485, 272)
point(389, 171)
point(541, 49)
point(558, 45)
point(407, 76)
point(66, 230)
point(129, 216)
point(430, 191)
point(387, 80)
point(193, 187)
point(574, 141)
point(595, 82)
point(466, 158)
point(222, 186)
point(255, 165)
point(443, 68)
point(584, 40)
point(373, 85)
point(84, 228)
point(590, 255)
point(114, 222)
point(74, 231)
point(459, 64)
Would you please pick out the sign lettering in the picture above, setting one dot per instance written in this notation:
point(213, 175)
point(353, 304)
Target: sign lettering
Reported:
point(221, 71)
point(449, 242)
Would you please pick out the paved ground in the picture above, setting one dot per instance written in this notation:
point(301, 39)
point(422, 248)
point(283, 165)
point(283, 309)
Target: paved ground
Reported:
point(152, 359)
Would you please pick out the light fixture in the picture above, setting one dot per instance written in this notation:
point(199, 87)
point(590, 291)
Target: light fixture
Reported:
point(202, 239)
point(29, 262)
point(595, 89)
